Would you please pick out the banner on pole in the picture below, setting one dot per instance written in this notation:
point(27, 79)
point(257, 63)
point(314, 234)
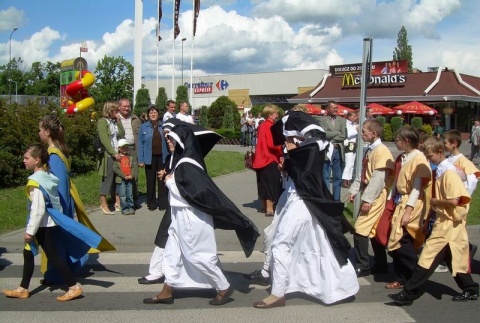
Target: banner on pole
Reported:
point(84, 48)
point(159, 38)
point(175, 19)
point(196, 11)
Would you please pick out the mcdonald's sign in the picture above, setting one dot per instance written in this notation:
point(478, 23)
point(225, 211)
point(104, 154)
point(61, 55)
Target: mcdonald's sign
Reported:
point(350, 80)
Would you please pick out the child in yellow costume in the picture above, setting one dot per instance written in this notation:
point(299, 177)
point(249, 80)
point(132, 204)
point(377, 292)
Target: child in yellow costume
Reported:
point(374, 182)
point(448, 240)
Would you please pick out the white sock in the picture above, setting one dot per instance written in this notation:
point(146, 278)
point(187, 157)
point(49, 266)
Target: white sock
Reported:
point(265, 273)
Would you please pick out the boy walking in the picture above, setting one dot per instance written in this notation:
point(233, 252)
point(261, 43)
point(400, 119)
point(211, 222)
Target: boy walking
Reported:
point(374, 181)
point(126, 170)
point(448, 240)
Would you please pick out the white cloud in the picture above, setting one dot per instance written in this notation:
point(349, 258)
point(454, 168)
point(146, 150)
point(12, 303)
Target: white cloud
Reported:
point(10, 18)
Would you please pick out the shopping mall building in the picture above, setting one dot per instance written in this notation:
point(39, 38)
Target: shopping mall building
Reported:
point(455, 96)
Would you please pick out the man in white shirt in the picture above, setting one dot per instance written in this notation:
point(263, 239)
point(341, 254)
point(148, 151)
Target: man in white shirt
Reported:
point(183, 112)
point(170, 113)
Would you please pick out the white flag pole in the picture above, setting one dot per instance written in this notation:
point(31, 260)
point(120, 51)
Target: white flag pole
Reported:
point(173, 55)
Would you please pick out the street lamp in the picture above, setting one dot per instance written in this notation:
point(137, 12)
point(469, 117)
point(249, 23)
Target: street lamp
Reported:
point(10, 63)
point(183, 39)
point(16, 93)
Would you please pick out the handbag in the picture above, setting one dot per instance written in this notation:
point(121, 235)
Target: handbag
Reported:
point(384, 225)
point(98, 148)
point(249, 156)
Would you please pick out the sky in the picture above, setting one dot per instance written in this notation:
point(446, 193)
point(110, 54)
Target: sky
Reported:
point(243, 36)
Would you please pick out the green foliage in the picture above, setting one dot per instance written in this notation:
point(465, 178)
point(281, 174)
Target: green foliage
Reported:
point(114, 80)
point(403, 51)
point(19, 129)
point(387, 132)
point(182, 95)
point(428, 129)
point(256, 109)
point(217, 111)
point(229, 133)
point(381, 120)
point(203, 118)
point(228, 118)
point(396, 123)
point(416, 122)
point(161, 100)
point(142, 101)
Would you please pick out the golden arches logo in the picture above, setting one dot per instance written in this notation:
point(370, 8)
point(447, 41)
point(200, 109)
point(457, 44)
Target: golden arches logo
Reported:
point(348, 79)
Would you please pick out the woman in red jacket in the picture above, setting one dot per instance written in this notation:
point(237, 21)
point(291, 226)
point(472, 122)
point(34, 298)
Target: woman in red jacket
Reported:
point(266, 161)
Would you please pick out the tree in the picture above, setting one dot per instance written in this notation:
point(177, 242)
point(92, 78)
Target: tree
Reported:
point(217, 111)
point(142, 101)
point(203, 119)
point(114, 80)
point(403, 51)
point(182, 95)
point(228, 118)
point(161, 100)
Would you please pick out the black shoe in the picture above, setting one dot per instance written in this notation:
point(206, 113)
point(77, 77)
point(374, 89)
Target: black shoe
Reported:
point(401, 299)
point(465, 296)
point(257, 278)
point(156, 300)
point(223, 299)
point(145, 281)
point(362, 272)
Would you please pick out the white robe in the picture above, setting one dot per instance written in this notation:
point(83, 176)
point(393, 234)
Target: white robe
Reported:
point(190, 257)
point(303, 259)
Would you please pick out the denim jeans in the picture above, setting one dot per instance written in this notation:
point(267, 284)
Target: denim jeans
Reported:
point(333, 166)
point(125, 191)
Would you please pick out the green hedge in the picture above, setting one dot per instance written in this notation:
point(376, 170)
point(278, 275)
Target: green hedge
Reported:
point(229, 134)
point(19, 129)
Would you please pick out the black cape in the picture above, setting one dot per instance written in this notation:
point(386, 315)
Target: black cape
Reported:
point(199, 190)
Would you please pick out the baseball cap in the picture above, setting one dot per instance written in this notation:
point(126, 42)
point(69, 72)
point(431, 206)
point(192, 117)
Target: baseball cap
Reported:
point(122, 142)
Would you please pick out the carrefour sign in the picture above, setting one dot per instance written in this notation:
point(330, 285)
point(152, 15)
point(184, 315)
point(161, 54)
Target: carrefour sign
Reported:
point(352, 80)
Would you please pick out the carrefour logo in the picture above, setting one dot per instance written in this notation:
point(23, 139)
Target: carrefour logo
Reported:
point(350, 80)
point(222, 85)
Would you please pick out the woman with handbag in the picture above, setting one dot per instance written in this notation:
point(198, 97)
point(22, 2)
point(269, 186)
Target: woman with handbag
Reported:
point(109, 132)
point(408, 192)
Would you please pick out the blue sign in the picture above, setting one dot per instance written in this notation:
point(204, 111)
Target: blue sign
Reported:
point(222, 85)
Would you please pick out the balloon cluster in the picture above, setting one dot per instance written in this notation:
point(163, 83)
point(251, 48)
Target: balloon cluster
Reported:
point(80, 100)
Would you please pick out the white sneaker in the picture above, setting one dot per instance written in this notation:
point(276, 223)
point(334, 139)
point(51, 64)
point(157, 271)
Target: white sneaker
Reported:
point(441, 269)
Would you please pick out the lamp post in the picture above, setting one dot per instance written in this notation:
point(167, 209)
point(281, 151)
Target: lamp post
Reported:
point(10, 63)
point(183, 39)
point(16, 93)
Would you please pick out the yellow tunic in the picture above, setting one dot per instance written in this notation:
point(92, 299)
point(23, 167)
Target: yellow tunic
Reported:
point(450, 224)
point(417, 167)
point(467, 166)
point(379, 158)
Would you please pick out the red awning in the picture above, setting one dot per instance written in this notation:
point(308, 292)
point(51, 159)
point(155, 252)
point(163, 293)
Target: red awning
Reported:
point(314, 109)
point(342, 111)
point(378, 109)
point(415, 107)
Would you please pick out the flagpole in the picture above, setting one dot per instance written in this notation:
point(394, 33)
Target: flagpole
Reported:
point(157, 35)
point(173, 54)
point(192, 100)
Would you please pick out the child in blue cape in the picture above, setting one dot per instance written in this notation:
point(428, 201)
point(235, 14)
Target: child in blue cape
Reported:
point(46, 223)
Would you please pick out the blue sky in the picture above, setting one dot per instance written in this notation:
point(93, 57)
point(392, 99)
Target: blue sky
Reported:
point(236, 36)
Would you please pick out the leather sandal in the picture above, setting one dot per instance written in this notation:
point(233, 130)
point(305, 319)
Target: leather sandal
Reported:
point(281, 302)
point(394, 285)
point(16, 294)
point(269, 214)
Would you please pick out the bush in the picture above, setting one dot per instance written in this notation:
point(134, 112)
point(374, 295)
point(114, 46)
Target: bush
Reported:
point(217, 111)
point(203, 118)
point(387, 132)
point(229, 133)
point(416, 122)
point(428, 129)
point(381, 120)
point(396, 123)
point(228, 118)
point(19, 129)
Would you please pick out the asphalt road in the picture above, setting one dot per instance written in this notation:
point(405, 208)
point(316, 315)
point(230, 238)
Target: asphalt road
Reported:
point(112, 293)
